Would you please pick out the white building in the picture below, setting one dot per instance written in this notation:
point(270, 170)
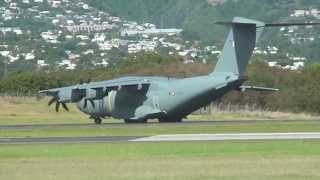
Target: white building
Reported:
point(299, 13)
point(49, 36)
point(42, 63)
point(68, 64)
point(298, 65)
point(272, 63)
point(4, 53)
point(29, 56)
point(148, 46)
point(103, 63)
point(99, 38)
point(56, 3)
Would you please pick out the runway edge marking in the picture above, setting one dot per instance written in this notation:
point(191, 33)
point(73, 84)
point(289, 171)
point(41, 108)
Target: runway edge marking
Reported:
point(230, 137)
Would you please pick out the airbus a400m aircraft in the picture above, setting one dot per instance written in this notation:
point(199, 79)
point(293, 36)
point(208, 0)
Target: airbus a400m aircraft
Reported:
point(137, 99)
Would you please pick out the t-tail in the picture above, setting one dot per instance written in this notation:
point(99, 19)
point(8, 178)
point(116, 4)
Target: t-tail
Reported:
point(240, 44)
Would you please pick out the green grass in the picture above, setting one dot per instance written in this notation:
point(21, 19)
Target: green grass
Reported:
point(190, 161)
point(177, 149)
point(157, 129)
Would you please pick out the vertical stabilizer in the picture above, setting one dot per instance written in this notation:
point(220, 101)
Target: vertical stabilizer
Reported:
point(239, 46)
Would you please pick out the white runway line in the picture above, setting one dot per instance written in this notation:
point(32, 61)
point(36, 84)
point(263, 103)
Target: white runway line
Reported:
point(230, 137)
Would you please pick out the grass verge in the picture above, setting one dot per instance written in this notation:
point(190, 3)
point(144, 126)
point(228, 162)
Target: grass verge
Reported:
point(190, 161)
point(158, 129)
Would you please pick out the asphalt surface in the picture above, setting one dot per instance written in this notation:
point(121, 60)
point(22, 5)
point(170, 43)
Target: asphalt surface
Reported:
point(62, 140)
point(164, 138)
point(212, 122)
point(229, 137)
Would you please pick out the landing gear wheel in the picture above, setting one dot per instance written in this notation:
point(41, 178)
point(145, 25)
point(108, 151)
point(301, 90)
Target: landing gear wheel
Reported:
point(171, 120)
point(97, 120)
point(140, 121)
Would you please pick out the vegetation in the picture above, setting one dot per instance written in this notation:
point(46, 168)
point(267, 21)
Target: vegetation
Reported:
point(280, 160)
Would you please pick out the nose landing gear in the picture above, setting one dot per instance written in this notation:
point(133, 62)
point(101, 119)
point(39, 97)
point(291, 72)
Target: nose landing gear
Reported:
point(97, 120)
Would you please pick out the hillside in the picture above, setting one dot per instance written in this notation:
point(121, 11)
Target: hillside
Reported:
point(87, 34)
point(197, 17)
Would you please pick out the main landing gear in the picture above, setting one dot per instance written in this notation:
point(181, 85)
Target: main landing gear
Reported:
point(170, 120)
point(140, 121)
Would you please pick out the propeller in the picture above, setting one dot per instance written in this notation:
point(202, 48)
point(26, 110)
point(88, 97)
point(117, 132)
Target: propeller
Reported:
point(86, 103)
point(55, 100)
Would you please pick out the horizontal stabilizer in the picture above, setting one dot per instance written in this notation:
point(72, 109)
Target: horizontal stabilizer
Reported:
point(243, 21)
point(289, 24)
point(255, 88)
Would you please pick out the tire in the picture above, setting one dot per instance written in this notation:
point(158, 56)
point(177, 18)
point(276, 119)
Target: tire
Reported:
point(171, 120)
point(98, 121)
point(140, 121)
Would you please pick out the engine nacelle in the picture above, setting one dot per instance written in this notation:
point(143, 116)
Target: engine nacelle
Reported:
point(93, 94)
point(68, 95)
point(103, 107)
point(65, 95)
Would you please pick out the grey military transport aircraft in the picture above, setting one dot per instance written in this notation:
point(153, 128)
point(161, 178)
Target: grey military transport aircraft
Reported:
point(137, 99)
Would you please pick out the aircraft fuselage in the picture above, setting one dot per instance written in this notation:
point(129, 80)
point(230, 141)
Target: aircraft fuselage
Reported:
point(165, 98)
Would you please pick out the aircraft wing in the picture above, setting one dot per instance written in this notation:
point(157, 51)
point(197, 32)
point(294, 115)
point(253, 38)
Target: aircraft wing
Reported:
point(95, 90)
point(118, 85)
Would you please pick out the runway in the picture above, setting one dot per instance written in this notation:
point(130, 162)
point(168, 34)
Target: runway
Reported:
point(207, 122)
point(64, 140)
point(229, 137)
point(164, 138)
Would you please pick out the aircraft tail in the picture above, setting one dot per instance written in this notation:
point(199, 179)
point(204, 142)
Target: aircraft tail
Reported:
point(241, 42)
point(239, 46)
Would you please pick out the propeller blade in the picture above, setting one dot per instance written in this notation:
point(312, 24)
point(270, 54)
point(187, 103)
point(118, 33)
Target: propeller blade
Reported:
point(64, 105)
point(85, 103)
point(57, 106)
point(92, 103)
point(52, 101)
